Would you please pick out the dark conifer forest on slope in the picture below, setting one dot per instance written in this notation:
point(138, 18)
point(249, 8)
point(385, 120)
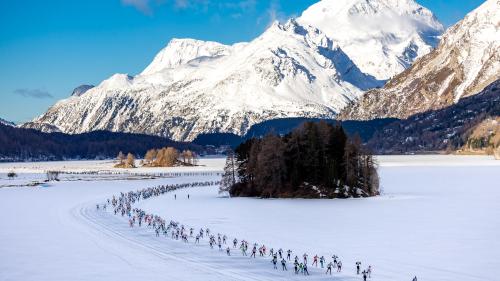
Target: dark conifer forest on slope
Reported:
point(19, 144)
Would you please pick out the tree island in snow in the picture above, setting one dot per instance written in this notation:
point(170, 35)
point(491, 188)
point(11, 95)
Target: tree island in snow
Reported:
point(316, 160)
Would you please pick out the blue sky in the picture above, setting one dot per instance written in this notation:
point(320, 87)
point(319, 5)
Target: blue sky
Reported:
point(47, 48)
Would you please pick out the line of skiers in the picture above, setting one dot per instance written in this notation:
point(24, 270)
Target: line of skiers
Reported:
point(122, 205)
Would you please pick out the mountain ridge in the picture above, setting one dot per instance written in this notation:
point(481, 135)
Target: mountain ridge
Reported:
point(465, 62)
point(193, 87)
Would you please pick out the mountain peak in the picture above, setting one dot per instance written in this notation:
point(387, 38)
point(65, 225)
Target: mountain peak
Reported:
point(82, 89)
point(182, 51)
point(465, 62)
point(383, 37)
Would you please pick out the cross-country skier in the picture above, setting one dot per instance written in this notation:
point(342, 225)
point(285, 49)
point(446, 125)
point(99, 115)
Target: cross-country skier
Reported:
point(415, 278)
point(305, 258)
point(364, 275)
point(315, 261)
point(288, 254)
point(358, 264)
point(305, 269)
point(274, 261)
point(329, 268)
point(235, 242)
point(334, 257)
point(228, 251)
point(322, 261)
point(339, 266)
point(369, 271)
point(243, 249)
point(283, 264)
point(254, 250)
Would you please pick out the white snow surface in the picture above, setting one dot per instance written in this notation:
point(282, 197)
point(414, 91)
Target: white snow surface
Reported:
point(436, 219)
point(382, 37)
point(182, 51)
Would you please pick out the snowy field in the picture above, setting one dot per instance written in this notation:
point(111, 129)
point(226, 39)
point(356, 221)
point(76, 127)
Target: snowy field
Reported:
point(206, 164)
point(437, 219)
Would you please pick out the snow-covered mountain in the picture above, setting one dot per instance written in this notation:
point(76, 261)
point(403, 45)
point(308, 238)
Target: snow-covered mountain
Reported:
point(466, 61)
point(7, 123)
point(291, 70)
point(80, 90)
point(181, 51)
point(382, 37)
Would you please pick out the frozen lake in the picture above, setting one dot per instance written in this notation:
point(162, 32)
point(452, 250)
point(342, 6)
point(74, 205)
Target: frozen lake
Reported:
point(437, 219)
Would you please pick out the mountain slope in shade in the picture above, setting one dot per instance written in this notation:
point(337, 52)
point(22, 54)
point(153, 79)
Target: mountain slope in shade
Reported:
point(82, 89)
point(466, 61)
point(7, 123)
point(291, 70)
point(383, 37)
point(449, 128)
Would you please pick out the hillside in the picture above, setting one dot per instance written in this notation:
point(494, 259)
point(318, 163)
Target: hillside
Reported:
point(465, 62)
point(18, 144)
point(449, 128)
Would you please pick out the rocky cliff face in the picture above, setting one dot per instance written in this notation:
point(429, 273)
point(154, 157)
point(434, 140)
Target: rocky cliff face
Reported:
point(459, 126)
point(466, 60)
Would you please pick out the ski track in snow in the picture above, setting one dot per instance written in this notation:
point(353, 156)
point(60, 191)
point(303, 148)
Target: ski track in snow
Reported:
point(201, 257)
point(56, 233)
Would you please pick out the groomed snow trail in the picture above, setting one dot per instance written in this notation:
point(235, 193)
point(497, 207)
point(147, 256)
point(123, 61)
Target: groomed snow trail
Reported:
point(195, 256)
point(436, 220)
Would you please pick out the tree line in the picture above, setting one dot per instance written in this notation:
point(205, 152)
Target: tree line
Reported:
point(17, 144)
point(315, 160)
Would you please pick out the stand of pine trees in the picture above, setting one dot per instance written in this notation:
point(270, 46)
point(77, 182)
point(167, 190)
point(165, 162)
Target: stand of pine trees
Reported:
point(316, 160)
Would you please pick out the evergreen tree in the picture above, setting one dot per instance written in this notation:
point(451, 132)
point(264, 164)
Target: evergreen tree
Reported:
point(229, 176)
point(270, 170)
